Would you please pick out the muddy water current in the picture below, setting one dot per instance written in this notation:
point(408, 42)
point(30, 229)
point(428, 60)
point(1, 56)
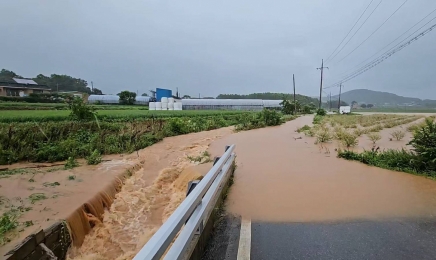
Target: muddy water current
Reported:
point(146, 199)
point(283, 176)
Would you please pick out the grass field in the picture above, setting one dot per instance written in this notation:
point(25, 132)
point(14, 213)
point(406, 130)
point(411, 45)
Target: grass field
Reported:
point(9, 116)
point(62, 106)
point(398, 110)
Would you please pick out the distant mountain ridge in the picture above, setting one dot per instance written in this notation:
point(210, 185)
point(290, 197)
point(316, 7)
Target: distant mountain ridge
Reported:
point(381, 98)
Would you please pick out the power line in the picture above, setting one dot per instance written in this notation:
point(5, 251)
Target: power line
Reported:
point(383, 57)
point(370, 63)
point(374, 31)
point(357, 30)
point(358, 65)
point(350, 30)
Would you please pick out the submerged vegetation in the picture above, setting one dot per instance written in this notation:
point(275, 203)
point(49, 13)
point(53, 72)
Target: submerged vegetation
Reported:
point(421, 160)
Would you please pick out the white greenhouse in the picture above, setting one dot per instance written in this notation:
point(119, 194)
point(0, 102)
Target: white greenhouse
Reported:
point(229, 104)
point(105, 99)
point(142, 100)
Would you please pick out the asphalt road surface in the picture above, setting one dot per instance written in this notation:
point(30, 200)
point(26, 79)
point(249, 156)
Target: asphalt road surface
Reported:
point(393, 239)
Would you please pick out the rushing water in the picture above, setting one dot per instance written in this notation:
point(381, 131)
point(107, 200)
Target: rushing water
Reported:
point(146, 200)
point(283, 178)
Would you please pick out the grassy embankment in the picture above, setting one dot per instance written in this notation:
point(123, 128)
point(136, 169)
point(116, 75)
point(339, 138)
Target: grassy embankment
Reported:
point(52, 135)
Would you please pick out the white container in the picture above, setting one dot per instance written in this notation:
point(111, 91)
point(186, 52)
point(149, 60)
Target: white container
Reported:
point(152, 106)
point(164, 106)
point(164, 100)
point(177, 106)
point(158, 108)
point(171, 105)
point(170, 100)
point(171, 108)
point(158, 105)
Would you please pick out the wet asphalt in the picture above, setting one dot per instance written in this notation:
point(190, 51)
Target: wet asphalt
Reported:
point(391, 239)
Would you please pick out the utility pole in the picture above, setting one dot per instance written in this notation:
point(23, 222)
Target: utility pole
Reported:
point(330, 102)
point(320, 86)
point(57, 87)
point(339, 103)
point(92, 87)
point(295, 104)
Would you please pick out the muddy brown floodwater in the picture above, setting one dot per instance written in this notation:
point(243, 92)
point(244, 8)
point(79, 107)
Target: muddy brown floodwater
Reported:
point(147, 198)
point(283, 178)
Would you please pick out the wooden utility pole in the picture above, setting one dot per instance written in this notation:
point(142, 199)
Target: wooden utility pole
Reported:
point(320, 86)
point(92, 87)
point(330, 102)
point(295, 104)
point(339, 103)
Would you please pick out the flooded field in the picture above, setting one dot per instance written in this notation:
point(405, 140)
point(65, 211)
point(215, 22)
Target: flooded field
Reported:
point(283, 176)
point(151, 184)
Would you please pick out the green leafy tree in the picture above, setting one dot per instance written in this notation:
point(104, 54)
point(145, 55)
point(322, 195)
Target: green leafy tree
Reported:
point(127, 97)
point(96, 91)
point(7, 75)
point(186, 97)
point(363, 106)
point(289, 107)
point(144, 95)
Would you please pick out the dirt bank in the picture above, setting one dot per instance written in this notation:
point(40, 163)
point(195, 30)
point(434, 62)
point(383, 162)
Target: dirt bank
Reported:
point(281, 177)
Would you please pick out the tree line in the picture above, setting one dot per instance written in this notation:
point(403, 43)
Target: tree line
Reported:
point(271, 96)
point(55, 82)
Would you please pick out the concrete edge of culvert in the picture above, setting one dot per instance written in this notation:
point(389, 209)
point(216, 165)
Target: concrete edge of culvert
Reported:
point(200, 242)
point(55, 240)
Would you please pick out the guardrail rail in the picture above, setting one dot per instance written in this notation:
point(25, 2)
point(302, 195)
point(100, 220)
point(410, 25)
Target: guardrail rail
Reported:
point(191, 215)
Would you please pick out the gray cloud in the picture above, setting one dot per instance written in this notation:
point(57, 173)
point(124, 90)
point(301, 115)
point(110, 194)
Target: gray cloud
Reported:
point(213, 47)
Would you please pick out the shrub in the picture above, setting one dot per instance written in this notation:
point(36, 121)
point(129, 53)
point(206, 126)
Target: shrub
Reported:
point(374, 137)
point(80, 110)
point(303, 129)
point(398, 135)
point(71, 163)
point(317, 119)
point(94, 158)
point(323, 136)
point(424, 144)
point(358, 132)
point(376, 128)
point(321, 112)
point(348, 140)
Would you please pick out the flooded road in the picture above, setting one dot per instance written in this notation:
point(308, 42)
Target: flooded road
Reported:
point(281, 178)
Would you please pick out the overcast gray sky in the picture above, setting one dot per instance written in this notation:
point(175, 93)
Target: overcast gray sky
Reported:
point(213, 47)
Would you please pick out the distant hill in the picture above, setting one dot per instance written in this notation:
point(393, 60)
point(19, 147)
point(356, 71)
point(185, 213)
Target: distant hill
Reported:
point(270, 96)
point(382, 98)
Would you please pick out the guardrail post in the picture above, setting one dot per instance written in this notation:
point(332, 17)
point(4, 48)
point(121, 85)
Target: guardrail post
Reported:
point(216, 159)
point(191, 186)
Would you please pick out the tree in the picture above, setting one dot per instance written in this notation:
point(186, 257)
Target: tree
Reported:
point(127, 97)
point(186, 97)
point(7, 75)
point(369, 105)
point(363, 106)
point(288, 107)
point(96, 91)
point(270, 96)
point(144, 95)
point(353, 103)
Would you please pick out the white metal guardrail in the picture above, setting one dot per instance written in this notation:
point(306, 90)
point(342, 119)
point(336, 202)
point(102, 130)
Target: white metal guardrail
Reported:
point(191, 213)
